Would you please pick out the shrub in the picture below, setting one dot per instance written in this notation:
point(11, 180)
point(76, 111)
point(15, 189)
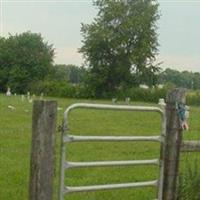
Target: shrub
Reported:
point(64, 89)
point(140, 94)
point(53, 88)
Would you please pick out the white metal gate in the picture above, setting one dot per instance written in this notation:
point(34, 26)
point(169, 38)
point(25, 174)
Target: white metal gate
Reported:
point(66, 138)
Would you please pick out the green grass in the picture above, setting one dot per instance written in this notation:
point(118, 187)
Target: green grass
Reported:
point(15, 141)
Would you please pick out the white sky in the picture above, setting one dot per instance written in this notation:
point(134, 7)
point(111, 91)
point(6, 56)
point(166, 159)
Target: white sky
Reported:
point(59, 22)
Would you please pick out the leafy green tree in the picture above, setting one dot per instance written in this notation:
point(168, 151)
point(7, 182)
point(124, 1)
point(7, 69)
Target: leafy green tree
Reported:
point(59, 72)
point(69, 73)
point(170, 75)
point(4, 68)
point(120, 45)
point(196, 81)
point(24, 58)
point(184, 79)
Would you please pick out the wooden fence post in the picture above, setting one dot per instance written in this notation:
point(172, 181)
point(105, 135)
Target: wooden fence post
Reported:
point(42, 151)
point(172, 143)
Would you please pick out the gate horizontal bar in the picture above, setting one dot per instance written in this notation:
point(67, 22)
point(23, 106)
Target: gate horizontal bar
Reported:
point(113, 107)
point(69, 189)
point(190, 146)
point(111, 163)
point(75, 138)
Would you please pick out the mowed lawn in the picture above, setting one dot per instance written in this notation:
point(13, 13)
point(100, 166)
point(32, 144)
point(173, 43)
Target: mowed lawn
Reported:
point(15, 142)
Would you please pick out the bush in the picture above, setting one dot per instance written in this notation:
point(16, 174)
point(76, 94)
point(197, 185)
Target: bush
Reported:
point(140, 94)
point(64, 89)
point(53, 88)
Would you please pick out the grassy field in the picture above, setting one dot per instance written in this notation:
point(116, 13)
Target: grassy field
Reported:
point(15, 141)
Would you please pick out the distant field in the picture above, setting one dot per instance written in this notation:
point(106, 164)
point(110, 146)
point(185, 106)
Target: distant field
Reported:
point(15, 141)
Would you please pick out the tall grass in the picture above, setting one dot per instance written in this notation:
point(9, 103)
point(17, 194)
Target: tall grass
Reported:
point(189, 181)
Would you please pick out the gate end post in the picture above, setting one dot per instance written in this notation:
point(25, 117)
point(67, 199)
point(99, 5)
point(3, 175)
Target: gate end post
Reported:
point(172, 143)
point(42, 150)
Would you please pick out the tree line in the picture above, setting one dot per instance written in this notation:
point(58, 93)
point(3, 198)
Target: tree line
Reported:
point(185, 79)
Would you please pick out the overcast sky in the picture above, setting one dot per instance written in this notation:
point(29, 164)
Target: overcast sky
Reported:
point(59, 22)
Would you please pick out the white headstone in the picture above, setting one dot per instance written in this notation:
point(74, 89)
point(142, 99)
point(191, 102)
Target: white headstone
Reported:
point(127, 100)
point(28, 95)
point(114, 100)
point(11, 107)
point(162, 102)
point(41, 96)
point(59, 108)
point(30, 100)
point(22, 97)
point(8, 93)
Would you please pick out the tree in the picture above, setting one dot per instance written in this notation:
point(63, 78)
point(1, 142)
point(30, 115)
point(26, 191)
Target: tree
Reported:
point(184, 79)
point(121, 41)
point(24, 58)
point(170, 76)
point(195, 83)
point(67, 73)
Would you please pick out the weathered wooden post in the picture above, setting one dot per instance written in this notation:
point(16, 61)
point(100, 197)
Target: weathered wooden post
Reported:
point(172, 143)
point(42, 151)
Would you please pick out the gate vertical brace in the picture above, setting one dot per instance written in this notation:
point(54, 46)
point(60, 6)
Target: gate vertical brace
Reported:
point(162, 104)
point(62, 161)
point(172, 143)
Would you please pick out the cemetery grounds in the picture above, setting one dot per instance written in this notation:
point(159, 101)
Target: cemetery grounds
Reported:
point(15, 143)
